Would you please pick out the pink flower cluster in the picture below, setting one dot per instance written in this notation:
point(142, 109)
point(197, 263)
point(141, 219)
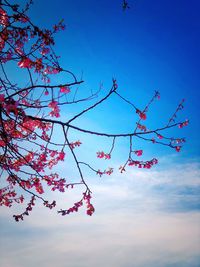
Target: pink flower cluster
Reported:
point(138, 152)
point(8, 196)
point(142, 164)
point(183, 124)
point(55, 109)
point(141, 114)
point(109, 171)
point(90, 208)
point(143, 128)
point(65, 89)
point(26, 212)
point(102, 155)
point(77, 205)
point(75, 144)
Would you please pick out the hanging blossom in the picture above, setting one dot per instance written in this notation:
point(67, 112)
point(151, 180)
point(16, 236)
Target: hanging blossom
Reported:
point(138, 152)
point(141, 114)
point(90, 207)
point(25, 63)
point(55, 109)
point(159, 136)
point(65, 89)
point(178, 148)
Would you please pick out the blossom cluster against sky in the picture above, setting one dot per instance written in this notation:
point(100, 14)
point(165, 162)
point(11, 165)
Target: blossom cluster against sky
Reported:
point(142, 218)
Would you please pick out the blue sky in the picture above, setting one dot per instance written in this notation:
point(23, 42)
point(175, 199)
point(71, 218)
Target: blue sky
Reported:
point(154, 45)
point(142, 218)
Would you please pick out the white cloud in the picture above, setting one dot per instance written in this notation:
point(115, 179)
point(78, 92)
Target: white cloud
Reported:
point(118, 239)
point(132, 225)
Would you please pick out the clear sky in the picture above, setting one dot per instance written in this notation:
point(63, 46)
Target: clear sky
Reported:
point(143, 218)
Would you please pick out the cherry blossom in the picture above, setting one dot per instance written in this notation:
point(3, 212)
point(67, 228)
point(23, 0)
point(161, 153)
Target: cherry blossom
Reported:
point(64, 89)
point(25, 63)
point(102, 155)
point(35, 136)
point(141, 114)
point(138, 152)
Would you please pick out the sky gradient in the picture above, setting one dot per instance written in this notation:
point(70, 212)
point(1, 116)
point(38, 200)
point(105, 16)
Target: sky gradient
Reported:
point(142, 218)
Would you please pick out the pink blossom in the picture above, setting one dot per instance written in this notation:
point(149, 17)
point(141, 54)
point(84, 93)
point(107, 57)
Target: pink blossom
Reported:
point(138, 152)
point(45, 51)
point(141, 114)
point(2, 97)
point(61, 155)
point(64, 89)
point(183, 124)
point(159, 136)
point(53, 104)
point(102, 155)
point(3, 17)
point(25, 63)
point(178, 148)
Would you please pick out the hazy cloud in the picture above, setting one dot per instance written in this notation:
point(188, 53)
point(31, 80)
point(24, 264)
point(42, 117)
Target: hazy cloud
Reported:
point(142, 219)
